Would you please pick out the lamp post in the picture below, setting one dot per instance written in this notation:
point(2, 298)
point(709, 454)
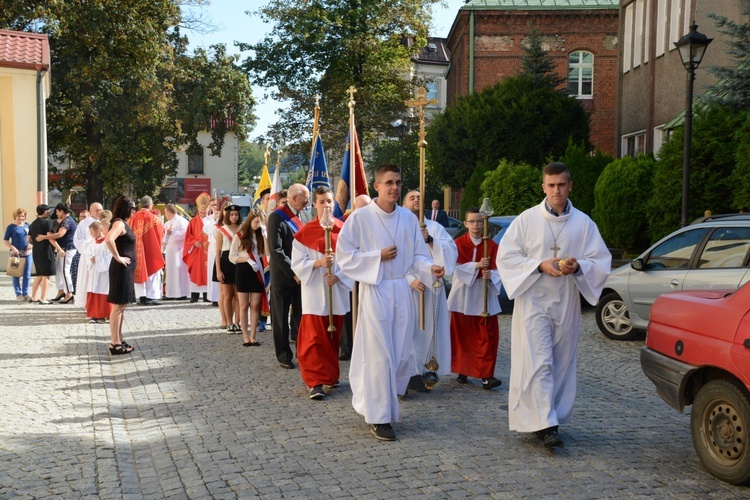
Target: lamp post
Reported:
point(691, 47)
point(402, 125)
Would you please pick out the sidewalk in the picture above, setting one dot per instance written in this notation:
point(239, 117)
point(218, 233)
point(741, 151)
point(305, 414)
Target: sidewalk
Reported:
point(193, 414)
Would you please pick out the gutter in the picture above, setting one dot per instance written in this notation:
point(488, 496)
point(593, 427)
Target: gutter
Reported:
point(42, 187)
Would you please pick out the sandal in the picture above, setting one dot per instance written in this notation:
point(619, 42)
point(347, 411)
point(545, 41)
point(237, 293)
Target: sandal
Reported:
point(116, 349)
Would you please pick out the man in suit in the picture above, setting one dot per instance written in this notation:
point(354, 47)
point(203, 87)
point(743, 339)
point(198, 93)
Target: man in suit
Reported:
point(437, 214)
point(283, 223)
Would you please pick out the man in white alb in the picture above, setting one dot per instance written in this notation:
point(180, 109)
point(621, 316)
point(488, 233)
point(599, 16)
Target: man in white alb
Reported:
point(444, 253)
point(378, 245)
point(549, 254)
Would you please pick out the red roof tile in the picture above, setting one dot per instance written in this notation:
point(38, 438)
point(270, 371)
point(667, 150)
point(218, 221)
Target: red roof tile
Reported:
point(19, 49)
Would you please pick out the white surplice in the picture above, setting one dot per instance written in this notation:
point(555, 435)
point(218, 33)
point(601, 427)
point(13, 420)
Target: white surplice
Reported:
point(178, 277)
point(382, 362)
point(467, 290)
point(98, 271)
point(444, 253)
point(209, 227)
point(82, 240)
point(313, 282)
point(547, 313)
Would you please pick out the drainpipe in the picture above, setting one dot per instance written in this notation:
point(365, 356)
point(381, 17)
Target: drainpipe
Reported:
point(41, 140)
point(471, 53)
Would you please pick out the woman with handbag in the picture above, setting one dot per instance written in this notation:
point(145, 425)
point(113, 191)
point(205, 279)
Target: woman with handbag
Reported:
point(17, 240)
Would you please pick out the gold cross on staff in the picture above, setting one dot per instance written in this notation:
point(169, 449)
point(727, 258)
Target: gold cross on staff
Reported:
point(278, 157)
point(351, 91)
point(317, 100)
point(420, 103)
point(267, 154)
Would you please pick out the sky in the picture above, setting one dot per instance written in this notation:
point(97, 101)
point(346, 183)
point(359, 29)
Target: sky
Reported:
point(233, 24)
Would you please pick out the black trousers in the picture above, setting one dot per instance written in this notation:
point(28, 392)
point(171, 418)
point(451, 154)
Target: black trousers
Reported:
point(282, 298)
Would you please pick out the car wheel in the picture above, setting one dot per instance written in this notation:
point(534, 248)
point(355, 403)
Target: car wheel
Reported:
point(719, 424)
point(613, 319)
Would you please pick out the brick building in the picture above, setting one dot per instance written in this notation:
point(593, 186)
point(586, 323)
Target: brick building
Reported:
point(486, 45)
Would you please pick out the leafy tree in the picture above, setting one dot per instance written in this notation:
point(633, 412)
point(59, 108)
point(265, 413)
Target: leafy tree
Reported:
point(733, 88)
point(741, 173)
point(622, 193)
point(127, 95)
point(250, 161)
point(536, 62)
point(518, 119)
point(585, 169)
point(712, 165)
point(513, 187)
point(324, 47)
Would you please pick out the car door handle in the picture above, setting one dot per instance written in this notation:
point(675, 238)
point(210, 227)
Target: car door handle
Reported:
point(674, 283)
point(746, 343)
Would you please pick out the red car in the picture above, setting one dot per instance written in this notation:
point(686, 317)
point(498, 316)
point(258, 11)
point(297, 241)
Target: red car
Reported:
point(698, 352)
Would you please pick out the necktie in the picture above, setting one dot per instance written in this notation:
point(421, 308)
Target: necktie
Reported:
point(434, 215)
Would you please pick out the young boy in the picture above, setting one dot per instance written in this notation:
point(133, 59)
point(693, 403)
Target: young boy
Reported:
point(474, 339)
point(97, 258)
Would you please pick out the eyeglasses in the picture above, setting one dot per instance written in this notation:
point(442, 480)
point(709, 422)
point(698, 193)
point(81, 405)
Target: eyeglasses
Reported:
point(390, 184)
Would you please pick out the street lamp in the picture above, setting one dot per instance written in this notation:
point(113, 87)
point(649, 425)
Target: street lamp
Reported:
point(691, 47)
point(402, 125)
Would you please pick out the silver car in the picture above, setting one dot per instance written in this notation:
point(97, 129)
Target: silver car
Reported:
point(710, 253)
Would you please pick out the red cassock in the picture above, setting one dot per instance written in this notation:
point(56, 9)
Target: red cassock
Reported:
point(149, 234)
point(196, 258)
point(317, 348)
point(474, 339)
point(97, 305)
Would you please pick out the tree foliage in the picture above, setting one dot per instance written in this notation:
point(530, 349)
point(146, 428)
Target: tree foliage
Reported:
point(585, 169)
point(519, 119)
point(621, 195)
point(512, 187)
point(741, 174)
point(536, 62)
point(126, 95)
point(324, 47)
point(733, 88)
point(711, 173)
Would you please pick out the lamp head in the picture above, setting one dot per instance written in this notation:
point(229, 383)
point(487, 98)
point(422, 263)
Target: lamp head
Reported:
point(692, 47)
point(486, 209)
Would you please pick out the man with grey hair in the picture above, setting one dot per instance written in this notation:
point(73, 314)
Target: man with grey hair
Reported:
point(82, 241)
point(283, 224)
point(149, 233)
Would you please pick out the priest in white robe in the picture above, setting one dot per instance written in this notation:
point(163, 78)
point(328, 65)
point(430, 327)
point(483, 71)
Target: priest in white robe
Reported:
point(435, 339)
point(82, 241)
point(378, 245)
point(549, 255)
point(177, 275)
point(209, 227)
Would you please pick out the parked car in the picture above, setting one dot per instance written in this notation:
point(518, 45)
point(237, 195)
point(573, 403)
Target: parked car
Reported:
point(711, 253)
point(454, 226)
point(698, 352)
point(497, 227)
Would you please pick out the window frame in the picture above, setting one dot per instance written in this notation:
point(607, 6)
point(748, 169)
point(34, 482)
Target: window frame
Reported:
point(580, 66)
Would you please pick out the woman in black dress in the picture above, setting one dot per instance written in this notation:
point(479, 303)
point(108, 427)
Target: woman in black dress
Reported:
point(120, 241)
point(43, 253)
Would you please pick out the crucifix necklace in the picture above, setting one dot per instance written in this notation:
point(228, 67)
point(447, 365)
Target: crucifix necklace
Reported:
point(554, 247)
point(398, 221)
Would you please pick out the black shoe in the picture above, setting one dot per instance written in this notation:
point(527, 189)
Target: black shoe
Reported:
point(143, 301)
point(550, 438)
point(317, 392)
point(194, 297)
point(151, 302)
point(383, 432)
point(491, 383)
point(417, 384)
point(346, 356)
point(462, 379)
point(286, 364)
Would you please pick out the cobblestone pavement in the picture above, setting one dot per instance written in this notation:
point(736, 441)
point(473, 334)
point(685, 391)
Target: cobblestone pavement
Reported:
point(193, 414)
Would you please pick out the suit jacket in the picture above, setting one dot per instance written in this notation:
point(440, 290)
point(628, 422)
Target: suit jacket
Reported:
point(279, 237)
point(442, 216)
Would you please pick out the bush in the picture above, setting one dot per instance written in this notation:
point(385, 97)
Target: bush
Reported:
point(621, 195)
point(513, 187)
point(585, 170)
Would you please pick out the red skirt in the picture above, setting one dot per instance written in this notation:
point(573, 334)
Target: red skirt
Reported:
point(474, 342)
point(97, 306)
point(318, 350)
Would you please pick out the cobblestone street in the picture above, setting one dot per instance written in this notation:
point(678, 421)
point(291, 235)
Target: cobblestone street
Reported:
point(194, 414)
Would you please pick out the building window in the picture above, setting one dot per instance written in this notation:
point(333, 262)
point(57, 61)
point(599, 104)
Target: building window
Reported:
point(432, 93)
point(581, 74)
point(634, 144)
point(195, 160)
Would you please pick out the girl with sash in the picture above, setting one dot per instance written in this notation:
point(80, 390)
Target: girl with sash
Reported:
point(224, 271)
point(248, 245)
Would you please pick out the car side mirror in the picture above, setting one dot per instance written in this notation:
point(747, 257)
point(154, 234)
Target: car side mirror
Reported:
point(637, 264)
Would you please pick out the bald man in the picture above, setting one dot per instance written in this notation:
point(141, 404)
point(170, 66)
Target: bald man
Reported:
point(283, 224)
point(81, 240)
